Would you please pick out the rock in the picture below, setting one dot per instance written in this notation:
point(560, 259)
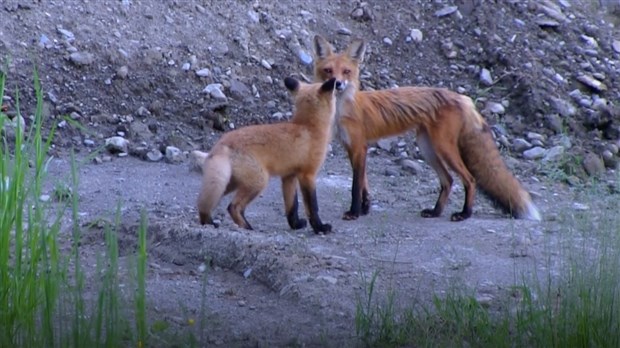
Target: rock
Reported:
point(448, 10)
point(186, 66)
point(238, 90)
point(391, 172)
point(203, 72)
point(386, 143)
point(265, 64)
point(173, 154)
point(534, 153)
point(362, 13)
point(616, 46)
point(593, 164)
point(416, 35)
point(535, 136)
point(412, 166)
point(387, 41)
point(154, 155)
point(329, 279)
point(116, 144)
point(485, 77)
point(563, 107)
point(609, 159)
point(495, 108)
point(215, 91)
point(344, 31)
point(580, 206)
point(590, 41)
point(81, 58)
point(68, 35)
point(554, 154)
point(304, 57)
point(89, 143)
point(555, 123)
point(519, 145)
point(599, 104)
point(122, 72)
point(552, 10)
point(143, 112)
point(547, 23)
point(591, 82)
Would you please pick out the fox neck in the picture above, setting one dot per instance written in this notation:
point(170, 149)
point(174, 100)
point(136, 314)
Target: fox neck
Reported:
point(320, 127)
point(345, 98)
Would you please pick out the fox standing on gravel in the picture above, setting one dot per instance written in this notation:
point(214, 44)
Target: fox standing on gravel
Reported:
point(450, 133)
point(244, 159)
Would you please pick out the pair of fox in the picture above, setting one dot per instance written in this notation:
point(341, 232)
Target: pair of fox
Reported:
point(450, 134)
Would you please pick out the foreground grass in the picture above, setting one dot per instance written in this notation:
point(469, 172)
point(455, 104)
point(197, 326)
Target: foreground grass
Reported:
point(43, 301)
point(580, 308)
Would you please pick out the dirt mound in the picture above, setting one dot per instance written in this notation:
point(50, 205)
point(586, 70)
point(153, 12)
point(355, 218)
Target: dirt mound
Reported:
point(168, 77)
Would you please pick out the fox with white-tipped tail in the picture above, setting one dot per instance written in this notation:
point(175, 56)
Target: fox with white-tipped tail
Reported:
point(451, 134)
point(244, 159)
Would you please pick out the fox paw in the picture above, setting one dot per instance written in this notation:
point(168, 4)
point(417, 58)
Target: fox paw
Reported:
point(460, 216)
point(299, 224)
point(323, 229)
point(429, 213)
point(349, 216)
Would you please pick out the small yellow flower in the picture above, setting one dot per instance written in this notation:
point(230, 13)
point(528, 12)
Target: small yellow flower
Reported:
point(140, 345)
point(190, 321)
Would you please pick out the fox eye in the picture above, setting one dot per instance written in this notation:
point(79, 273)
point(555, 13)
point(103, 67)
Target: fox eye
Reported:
point(327, 70)
point(346, 71)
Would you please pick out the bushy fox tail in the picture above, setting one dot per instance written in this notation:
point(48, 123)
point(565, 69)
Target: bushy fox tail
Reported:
point(483, 160)
point(217, 172)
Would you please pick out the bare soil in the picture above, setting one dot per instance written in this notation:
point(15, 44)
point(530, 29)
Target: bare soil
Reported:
point(274, 286)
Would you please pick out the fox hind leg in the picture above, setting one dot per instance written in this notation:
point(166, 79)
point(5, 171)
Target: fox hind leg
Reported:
point(445, 180)
point(246, 193)
point(469, 183)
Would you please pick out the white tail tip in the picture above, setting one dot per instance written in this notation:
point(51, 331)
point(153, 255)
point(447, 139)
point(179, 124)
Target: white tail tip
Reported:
point(196, 160)
point(531, 212)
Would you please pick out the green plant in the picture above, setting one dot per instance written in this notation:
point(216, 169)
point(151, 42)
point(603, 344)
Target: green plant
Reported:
point(42, 288)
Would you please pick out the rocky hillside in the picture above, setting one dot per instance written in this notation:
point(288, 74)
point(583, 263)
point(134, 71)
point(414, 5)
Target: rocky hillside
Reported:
point(175, 74)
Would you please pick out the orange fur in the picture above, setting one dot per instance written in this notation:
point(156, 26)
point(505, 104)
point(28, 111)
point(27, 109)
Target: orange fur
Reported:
point(451, 134)
point(244, 159)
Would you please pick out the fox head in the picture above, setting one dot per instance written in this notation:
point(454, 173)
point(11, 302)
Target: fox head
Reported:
point(343, 66)
point(315, 103)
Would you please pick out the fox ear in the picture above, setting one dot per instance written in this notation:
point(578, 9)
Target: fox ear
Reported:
point(322, 48)
point(356, 50)
point(291, 84)
point(329, 85)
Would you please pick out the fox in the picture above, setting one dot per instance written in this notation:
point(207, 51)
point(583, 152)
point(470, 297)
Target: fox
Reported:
point(243, 160)
point(450, 133)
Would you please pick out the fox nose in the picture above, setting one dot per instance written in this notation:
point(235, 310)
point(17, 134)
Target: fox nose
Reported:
point(339, 85)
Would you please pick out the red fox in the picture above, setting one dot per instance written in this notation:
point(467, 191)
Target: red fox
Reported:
point(450, 133)
point(244, 159)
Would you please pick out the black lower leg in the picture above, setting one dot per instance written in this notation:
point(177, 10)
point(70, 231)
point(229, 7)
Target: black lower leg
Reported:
point(312, 204)
point(467, 209)
point(356, 197)
point(365, 202)
point(292, 216)
point(437, 210)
